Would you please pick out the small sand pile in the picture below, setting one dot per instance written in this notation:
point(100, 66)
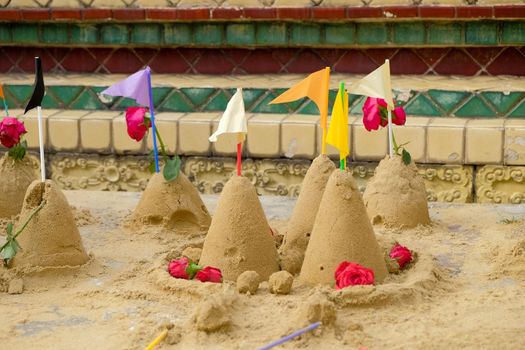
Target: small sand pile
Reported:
point(509, 261)
point(51, 239)
point(240, 238)
point(342, 232)
point(214, 313)
point(174, 205)
point(303, 216)
point(83, 216)
point(396, 195)
point(15, 177)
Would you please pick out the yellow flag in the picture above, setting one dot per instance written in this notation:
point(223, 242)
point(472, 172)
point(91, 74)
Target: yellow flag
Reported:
point(338, 131)
point(2, 92)
point(314, 86)
point(376, 84)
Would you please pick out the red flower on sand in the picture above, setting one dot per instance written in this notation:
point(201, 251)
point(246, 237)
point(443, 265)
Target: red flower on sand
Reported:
point(351, 274)
point(375, 114)
point(209, 274)
point(11, 129)
point(137, 122)
point(401, 254)
point(179, 268)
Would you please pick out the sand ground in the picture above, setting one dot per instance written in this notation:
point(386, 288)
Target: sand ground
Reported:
point(467, 290)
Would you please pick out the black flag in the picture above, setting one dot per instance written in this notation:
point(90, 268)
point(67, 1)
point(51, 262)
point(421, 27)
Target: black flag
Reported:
point(39, 88)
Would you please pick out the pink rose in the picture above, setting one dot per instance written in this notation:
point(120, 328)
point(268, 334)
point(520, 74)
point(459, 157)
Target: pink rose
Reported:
point(401, 254)
point(375, 114)
point(351, 274)
point(138, 125)
point(178, 268)
point(209, 274)
point(10, 131)
point(399, 116)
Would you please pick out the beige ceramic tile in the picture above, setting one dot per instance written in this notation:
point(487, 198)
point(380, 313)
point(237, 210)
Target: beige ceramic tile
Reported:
point(95, 131)
point(445, 140)
point(484, 141)
point(331, 151)
point(122, 143)
point(31, 123)
point(194, 131)
point(369, 145)
point(298, 136)
point(63, 128)
point(514, 152)
point(167, 123)
point(413, 132)
point(264, 138)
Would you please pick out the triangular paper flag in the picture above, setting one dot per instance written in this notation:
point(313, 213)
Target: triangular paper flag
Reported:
point(338, 131)
point(135, 86)
point(39, 88)
point(376, 84)
point(233, 120)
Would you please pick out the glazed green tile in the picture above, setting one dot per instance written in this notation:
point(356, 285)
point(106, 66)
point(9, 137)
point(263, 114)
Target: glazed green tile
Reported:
point(21, 93)
point(5, 33)
point(208, 34)
point(445, 33)
point(513, 32)
point(176, 102)
point(114, 34)
point(339, 34)
point(475, 107)
point(250, 97)
point(66, 94)
point(409, 33)
point(123, 103)
point(447, 100)
point(421, 105)
point(372, 33)
point(238, 34)
point(263, 105)
point(88, 99)
point(159, 94)
point(503, 102)
point(54, 33)
point(357, 109)
point(308, 108)
point(271, 33)
point(481, 33)
point(50, 100)
point(25, 33)
point(146, 33)
point(217, 102)
point(178, 34)
point(84, 34)
point(198, 96)
point(305, 34)
point(518, 112)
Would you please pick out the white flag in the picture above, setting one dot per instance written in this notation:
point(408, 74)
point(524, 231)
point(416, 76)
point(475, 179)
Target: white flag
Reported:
point(233, 121)
point(376, 84)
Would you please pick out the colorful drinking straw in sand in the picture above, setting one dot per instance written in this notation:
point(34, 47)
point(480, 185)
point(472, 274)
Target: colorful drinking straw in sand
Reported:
point(377, 84)
point(138, 87)
point(2, 96)
point(315, 86)
point(290, 336)
point(39, 90)
point(233, 121)
point(338, 131)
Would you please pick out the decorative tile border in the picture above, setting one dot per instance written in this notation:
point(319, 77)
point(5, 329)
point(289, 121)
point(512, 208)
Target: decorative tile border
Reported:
point(266, 34)
point(500, 184)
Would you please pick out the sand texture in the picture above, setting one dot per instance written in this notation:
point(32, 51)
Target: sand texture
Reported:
point(51, 239)
point(174, 205)
point(302, 220)
point(342, 232)
point(239, 238)
point(15, 178)
point(396, 196)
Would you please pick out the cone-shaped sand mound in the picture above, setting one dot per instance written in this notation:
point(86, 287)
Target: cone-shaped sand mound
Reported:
point(239, 238)
point(303, 216)
point(51, 239)
point(342, 231)
point(175, 205)
point(396, 195)
point(15, 178)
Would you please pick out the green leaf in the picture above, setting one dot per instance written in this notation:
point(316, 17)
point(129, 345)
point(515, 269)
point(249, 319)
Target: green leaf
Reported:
point(18, 151)
point(9, 229)
point(407, 158)
point(9, 251)
point(151, 167)
point(171, 169)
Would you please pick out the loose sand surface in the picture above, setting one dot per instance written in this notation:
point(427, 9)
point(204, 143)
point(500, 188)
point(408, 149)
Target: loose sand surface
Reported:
point(465, 290)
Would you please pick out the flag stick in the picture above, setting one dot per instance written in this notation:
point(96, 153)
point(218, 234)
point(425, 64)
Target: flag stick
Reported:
point(6, 109)
point(390, 136)
point(342, 164)
point(239, 166)
point(153, 128)
point(41, 142)
point(291, 336)
point(323, 147)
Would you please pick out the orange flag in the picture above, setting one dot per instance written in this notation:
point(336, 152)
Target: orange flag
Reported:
point(2, 92)
point(315, 87)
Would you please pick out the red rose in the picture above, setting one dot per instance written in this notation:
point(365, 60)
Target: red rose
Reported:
point(138, 125)
point(10, 131)
point(351, 274)
point(179, 268)
point(401, 254)
point(375, 114)
point(209, 274)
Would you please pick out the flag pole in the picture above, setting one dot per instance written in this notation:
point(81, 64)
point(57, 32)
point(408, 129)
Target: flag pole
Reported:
point(324, 118)
point(41, 142)
point(390, 136)
point(153, 128)
point(239, 159)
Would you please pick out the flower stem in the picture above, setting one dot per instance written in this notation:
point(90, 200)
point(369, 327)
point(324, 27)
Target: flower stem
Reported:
point(162, 147)
point(396, 147)
point(33, 213)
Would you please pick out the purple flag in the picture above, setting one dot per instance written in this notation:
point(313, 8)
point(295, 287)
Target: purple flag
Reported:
point(135, 86)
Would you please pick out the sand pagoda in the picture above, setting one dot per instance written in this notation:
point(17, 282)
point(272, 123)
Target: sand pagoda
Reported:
point(342, 231)
point(239, 238)
point(174, 205)
point(302, 220)
point(396, 195)
point(15, 178)
point(51, 239)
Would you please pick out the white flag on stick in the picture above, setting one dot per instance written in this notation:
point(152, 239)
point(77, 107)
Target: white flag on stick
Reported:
point(233, 121)
point(376, 84)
